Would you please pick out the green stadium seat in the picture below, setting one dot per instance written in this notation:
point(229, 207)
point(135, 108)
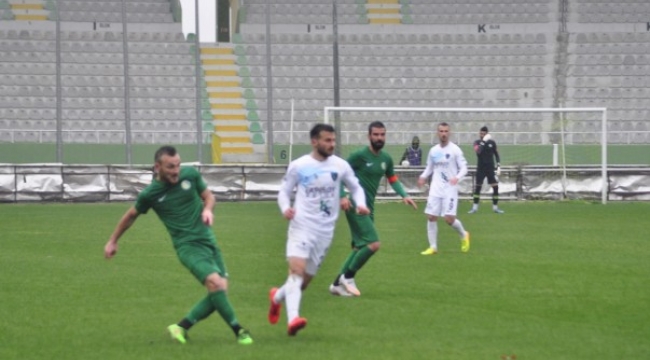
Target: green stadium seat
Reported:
point(251, 104)
point(255, 127)
point(239, 50)
point(241, 60)
point(246, 82)
point(244, 71)
point(257, 139)
point(249, 94)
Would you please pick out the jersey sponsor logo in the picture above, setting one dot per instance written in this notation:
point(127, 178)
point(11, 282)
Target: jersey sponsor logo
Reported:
point(325, 208)
point(368, 164)
point(309, 179)
point(186, 185)
point(162, 198)
point(320, 191)
point(383, 165)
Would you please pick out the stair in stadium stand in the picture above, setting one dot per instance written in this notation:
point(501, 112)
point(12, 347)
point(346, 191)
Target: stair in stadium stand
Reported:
point(229, 116)
point(380, 12)
point(28, 11)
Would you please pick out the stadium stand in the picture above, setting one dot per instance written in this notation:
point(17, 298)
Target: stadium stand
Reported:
point(412, 53)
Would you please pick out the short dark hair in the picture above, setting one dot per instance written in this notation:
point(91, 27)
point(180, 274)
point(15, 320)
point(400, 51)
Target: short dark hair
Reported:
point(314, 133)
point(443, 124)
point(484, 128)
point(164, 150)
point(375, 124)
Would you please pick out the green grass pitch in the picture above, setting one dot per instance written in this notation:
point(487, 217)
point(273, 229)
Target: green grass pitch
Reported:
point(546, 280)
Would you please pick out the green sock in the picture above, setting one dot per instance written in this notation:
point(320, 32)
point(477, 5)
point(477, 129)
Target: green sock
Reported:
point(220, 302)
point(346, 265)
point(200, 311)
point(360, 259)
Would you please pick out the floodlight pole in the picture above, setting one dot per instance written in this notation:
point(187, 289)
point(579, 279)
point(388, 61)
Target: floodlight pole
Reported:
point(59, 110)
point(199, 100)
point(128, 138)
point(337, 95)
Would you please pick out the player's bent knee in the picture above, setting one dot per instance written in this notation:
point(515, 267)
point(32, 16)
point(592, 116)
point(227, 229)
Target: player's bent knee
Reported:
point(214, 282)
point(374, 246)
point(297, 266)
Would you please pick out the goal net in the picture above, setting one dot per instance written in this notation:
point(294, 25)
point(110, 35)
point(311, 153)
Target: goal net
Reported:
point(547, 153)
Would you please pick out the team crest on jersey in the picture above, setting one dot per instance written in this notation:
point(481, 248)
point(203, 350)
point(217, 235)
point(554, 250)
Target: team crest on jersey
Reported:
point(186, 185)
point(383, 165)
point(335, 175)
point(447, 156)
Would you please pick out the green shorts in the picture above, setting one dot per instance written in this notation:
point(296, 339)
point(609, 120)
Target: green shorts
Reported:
point(202, 258)
point(362, 228)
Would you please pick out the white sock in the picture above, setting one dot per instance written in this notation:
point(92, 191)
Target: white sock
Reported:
point(293, 294)
point(458, 226)
point(474, 207)
point(432, 234)
point(280, 294)
point(495, 206)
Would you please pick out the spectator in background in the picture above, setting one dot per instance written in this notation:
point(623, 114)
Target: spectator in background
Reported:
point(413, 154)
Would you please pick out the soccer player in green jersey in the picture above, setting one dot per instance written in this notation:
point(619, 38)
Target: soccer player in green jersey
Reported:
point(183, 202)
point(370, 165)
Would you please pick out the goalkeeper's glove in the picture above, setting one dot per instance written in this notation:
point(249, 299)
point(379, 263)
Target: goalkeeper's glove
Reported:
point(487, 137)
point(498, 170)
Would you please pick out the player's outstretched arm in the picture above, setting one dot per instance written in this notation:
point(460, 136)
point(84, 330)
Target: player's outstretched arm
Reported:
point(110, 249)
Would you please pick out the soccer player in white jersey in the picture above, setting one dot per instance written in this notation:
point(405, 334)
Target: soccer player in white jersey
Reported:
point(317, 177)
point(448, 165)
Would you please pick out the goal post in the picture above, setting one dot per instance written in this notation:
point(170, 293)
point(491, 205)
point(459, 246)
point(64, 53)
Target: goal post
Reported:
point(562, 137)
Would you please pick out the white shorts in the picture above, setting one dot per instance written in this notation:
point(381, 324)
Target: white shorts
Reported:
point(442, 206)
point(308, 245)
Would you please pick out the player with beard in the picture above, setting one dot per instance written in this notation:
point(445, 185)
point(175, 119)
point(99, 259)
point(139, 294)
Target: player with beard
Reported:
point(317, 179)
point(370, 165)
point(183, 202)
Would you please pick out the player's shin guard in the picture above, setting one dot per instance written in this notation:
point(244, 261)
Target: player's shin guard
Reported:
point(293, 295)
point(458, 226)
point(220, 301)
point(495, 195)
point(360, 258)
point(346, 265)
point(432, 234)
point(477, 193)
point(200, 311)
